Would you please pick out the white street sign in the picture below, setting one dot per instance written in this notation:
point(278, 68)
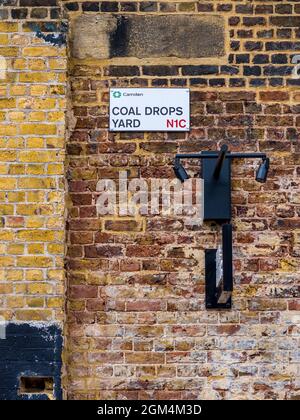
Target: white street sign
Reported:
point(151, 109)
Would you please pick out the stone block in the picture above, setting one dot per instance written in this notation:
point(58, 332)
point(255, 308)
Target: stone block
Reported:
point(101, 36)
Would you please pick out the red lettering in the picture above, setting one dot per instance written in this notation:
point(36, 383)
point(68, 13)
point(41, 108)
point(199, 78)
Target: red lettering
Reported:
point(176, 123)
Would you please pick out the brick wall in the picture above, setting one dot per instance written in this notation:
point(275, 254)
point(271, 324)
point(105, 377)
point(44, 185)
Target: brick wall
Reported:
point(136, 322)
point(32, 180)
point(32, 171)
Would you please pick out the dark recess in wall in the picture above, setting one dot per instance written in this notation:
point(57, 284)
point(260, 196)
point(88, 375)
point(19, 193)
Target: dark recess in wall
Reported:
point(30, 350)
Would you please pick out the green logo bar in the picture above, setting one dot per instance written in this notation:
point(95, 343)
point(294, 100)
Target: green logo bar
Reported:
point(117, 94)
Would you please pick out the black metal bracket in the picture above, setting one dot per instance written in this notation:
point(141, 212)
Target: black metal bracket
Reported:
point(216, 174)
point(218, 273)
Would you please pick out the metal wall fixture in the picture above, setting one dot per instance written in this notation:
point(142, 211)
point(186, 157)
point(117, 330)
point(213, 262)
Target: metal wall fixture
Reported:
point(216, 174)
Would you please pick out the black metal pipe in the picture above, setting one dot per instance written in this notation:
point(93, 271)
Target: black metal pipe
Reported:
point(247, 155)
point(220, 161)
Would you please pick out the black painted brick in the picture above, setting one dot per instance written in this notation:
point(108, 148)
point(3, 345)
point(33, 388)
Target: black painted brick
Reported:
point(293, 82)
point(244, 8)
point(263, 9)
point(109, 6)
point(261, 59)
point(229, 70)
point(217, 82)
point(160, 82)
point(235, 45)
point(265, 34)
point(148, 6)
point(234, 20)
point(72, 6)
point(253, 21)
point(9, 2)
point(285, 21)
point(178, 82)
point(245, 34)
point(242, 58)
point(119, 71)
point(128, 7)
point(284, 33)
point(90, 7)
point(42, 26)
point(276, 81)
point(252, 70)
point(30, 350)
point(253, 46)
point(277, 70)
point(198, 81)
point(39, 13)
point(199, 70)
point(54, 13)
point(279, 59)
point(224, 7)
point(205, 7)
point(257, 82)
point(160, 70)
point(284, 9)
point(283, 45)
point(19, 13)
point(237, 82)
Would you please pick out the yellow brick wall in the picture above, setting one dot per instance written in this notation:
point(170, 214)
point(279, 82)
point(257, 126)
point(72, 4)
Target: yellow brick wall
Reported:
point(32, 180)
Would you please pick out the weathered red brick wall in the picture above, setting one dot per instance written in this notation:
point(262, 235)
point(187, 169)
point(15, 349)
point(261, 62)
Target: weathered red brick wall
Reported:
point(137, 324)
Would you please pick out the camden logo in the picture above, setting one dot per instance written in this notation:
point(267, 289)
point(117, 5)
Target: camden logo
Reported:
point(117, 94)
